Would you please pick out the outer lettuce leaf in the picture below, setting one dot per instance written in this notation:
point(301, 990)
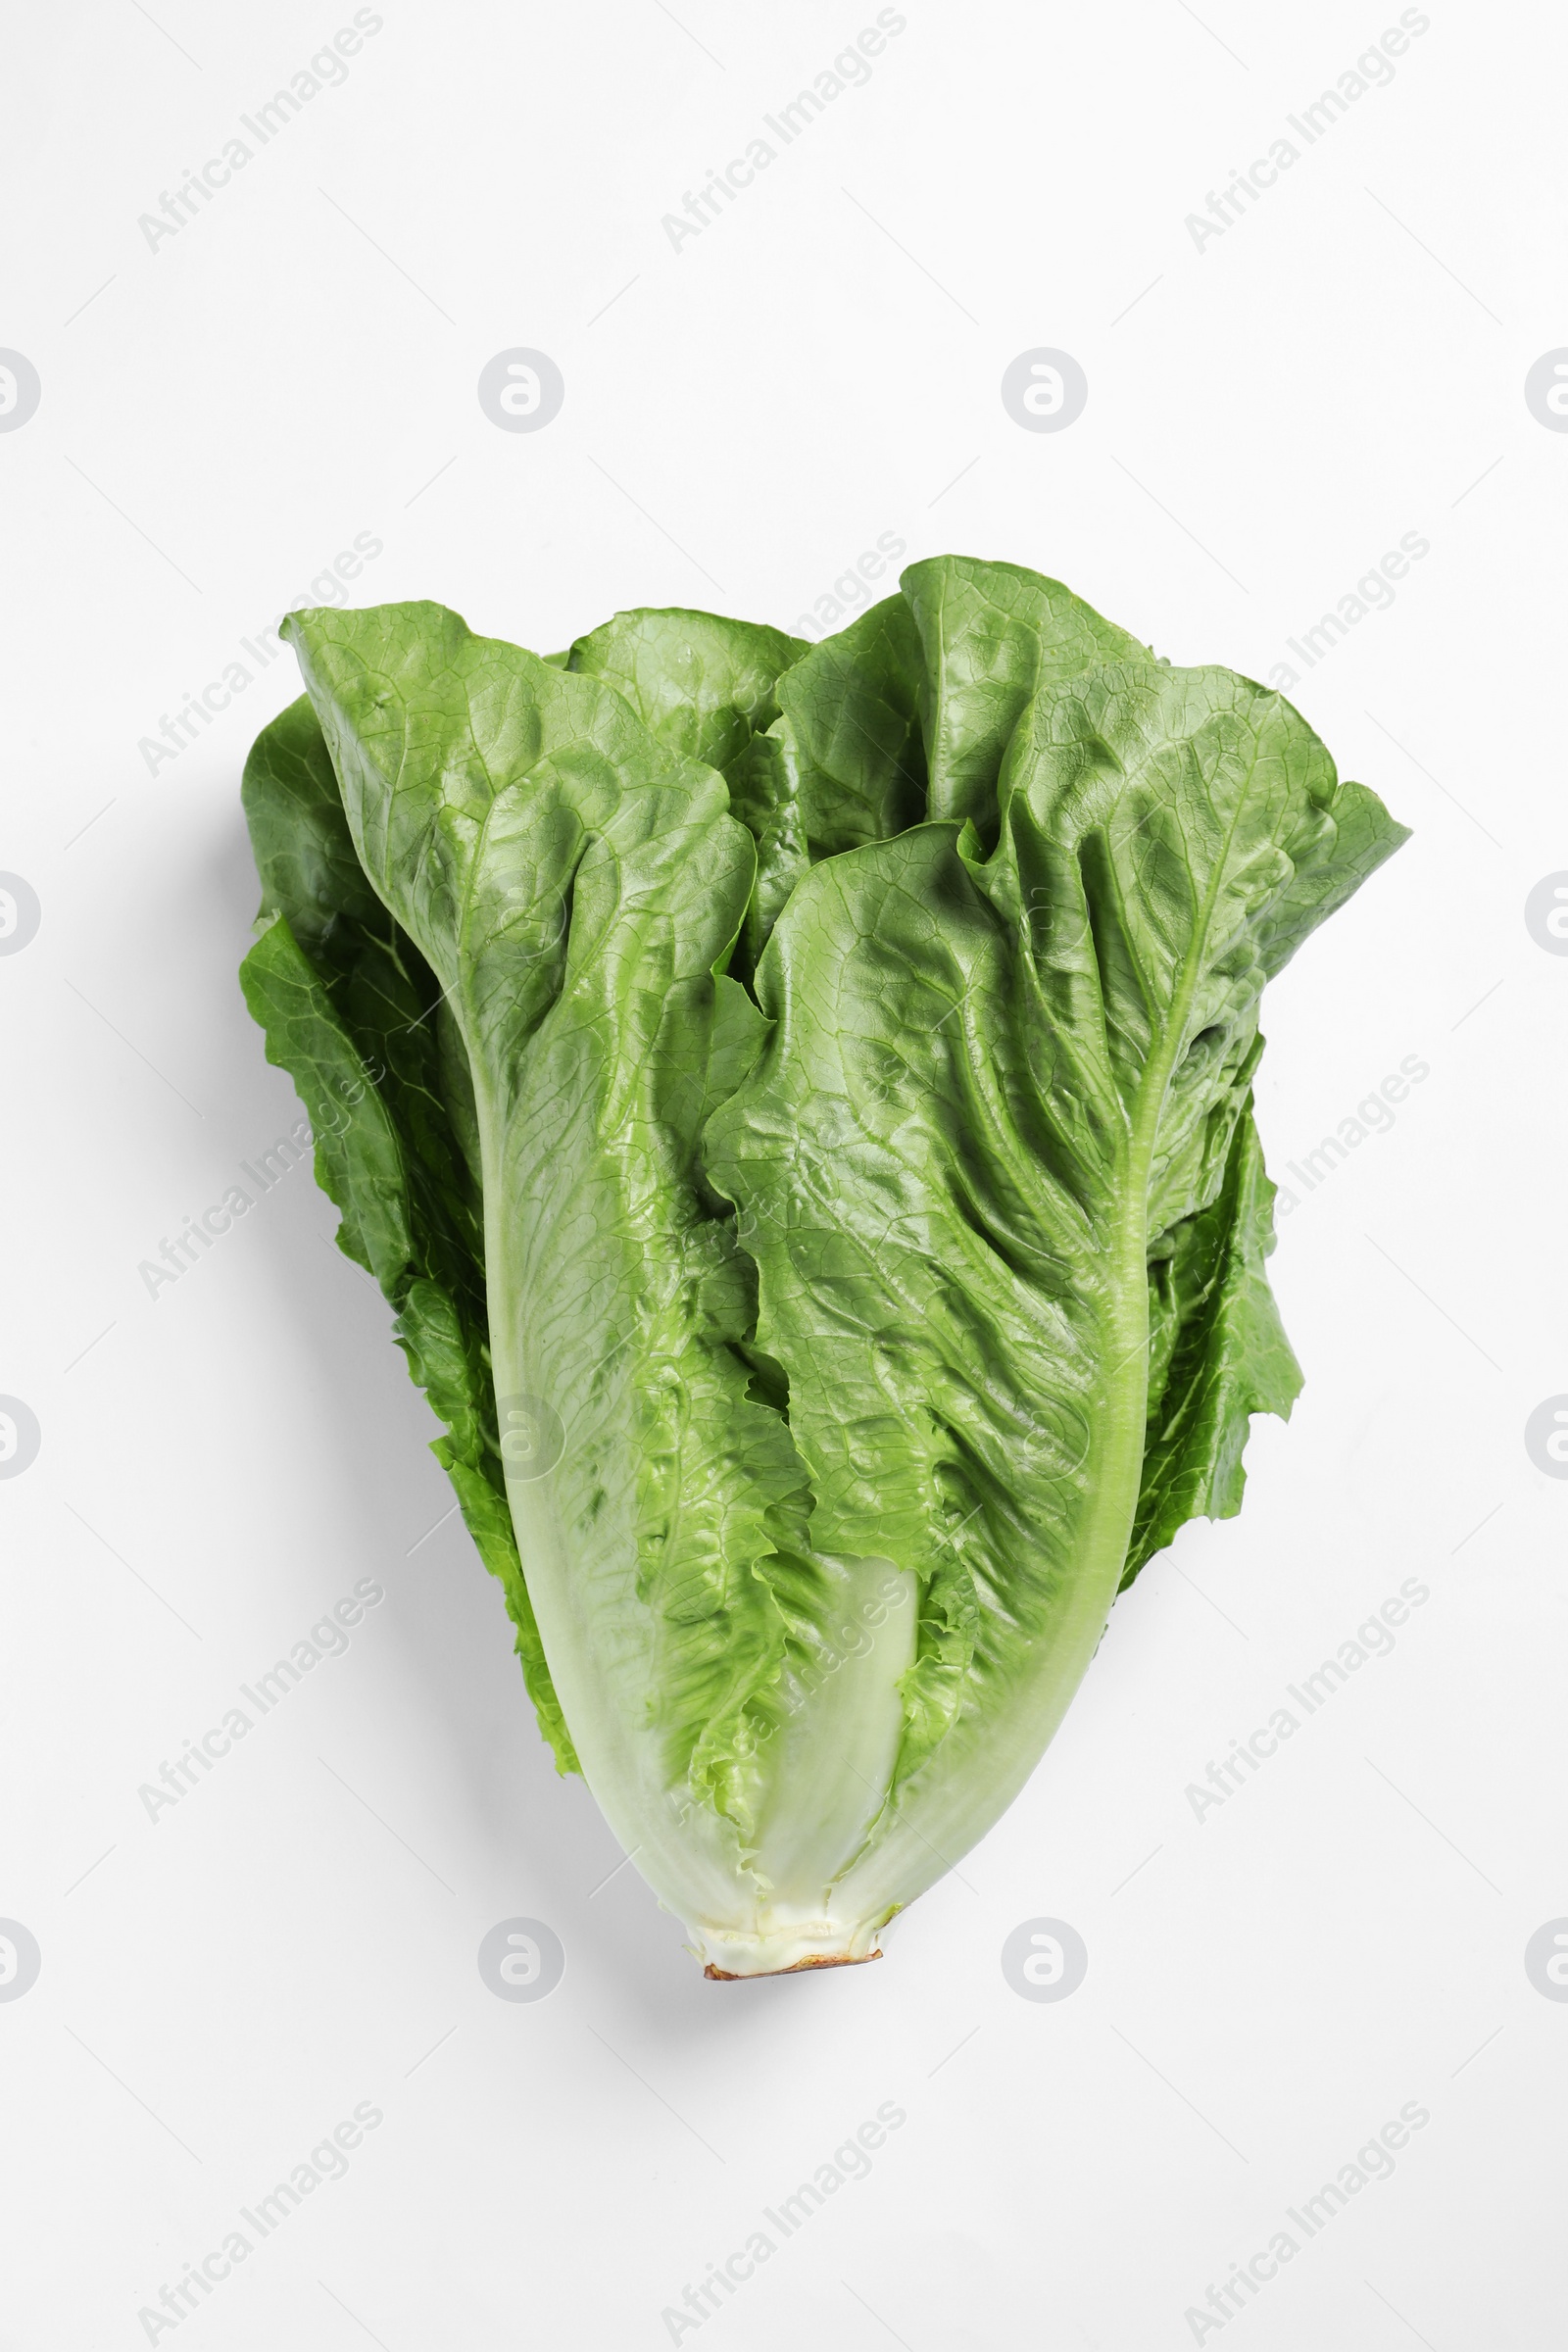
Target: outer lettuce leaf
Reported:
point(995, 1082)
point(573, 885)
point(1217, 1354)
point(348, 1005)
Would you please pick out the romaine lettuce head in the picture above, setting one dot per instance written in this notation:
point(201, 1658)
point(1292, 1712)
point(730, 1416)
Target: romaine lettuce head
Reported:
point(796, 1100)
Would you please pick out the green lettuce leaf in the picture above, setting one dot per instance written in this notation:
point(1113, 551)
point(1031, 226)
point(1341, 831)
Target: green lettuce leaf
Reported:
point(708, 688)
point(704, 685)
point(997, 1081)
point(575, 887)
point(992, 637)
point(348, 1009)
point(906, 714)
point(1217, 1354)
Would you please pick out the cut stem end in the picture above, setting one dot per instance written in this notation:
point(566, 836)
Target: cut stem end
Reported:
point(729, 1975)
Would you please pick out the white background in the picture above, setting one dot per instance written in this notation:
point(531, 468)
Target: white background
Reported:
point(1266, 416)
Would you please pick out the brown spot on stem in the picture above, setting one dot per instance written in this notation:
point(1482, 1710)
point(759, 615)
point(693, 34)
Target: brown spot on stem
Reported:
point(725, 1976)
